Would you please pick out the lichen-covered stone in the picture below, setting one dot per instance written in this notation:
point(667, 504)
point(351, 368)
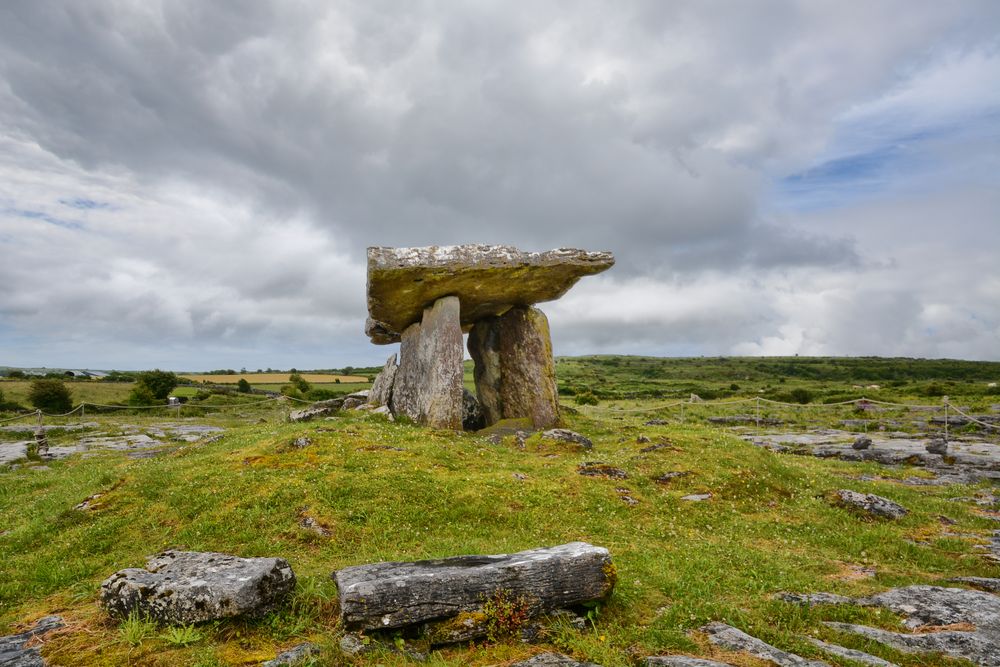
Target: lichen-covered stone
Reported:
point(514, 369)
point(680, 661)
point(381, 391)
point(14, 649)
point(394, 595)
point(297, 655)
point(733, 639)
point(487, 279)
point(181, 587)
point(428, 384)
point(870, 504)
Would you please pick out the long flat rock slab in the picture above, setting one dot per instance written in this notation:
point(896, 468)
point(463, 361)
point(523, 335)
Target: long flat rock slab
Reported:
point(487, 279)
point(394, 594)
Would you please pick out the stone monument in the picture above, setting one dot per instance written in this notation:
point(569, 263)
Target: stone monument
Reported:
point(427, 298)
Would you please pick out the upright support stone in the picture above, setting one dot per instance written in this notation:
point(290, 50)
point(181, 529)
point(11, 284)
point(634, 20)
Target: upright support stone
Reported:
point(381, 391)
point(514, 370)
point(428, 383)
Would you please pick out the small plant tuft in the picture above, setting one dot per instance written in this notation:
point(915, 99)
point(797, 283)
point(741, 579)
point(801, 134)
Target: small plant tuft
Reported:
point(505, 614)
point(136, 629)
point(182, 635)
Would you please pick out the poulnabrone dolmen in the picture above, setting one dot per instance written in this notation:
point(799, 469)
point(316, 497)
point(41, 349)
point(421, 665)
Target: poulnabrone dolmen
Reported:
point(427, 298)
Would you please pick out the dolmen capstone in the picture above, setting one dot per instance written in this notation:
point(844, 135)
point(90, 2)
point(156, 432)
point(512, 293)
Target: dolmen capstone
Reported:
point(447, 596)
point(427, 298)
point(182, 587)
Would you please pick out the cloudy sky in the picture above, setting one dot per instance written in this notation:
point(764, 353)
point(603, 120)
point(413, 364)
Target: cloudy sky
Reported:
point(192, 185)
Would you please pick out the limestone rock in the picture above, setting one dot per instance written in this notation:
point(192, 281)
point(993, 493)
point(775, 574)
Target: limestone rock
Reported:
point(565, 435)
point(486, 279)
point(680, 661)
point(428, 385)
point(813, 599)
point(730, 638)
point(871, 504)
point(472, 412)
point(983, 583)
point(181, 587)
point(862, 442)
point(514, 369)
point(316, 410)
point(293, 656)
point(394, 595)
point(552, 660)
point(14, 651)
point(976, 647)
point(850, 653)
point(381, 390)
point(937, 446)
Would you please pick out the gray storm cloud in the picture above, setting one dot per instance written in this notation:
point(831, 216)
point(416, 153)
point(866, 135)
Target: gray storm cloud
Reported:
point(211, 172)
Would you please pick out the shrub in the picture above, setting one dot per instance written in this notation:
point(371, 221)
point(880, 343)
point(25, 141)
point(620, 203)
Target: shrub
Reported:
point(299, 383)
point(50, 395)
point(160, 383)
point(141, 395)
point(16, 375)
point(243, 386)
point(800, 395)
point(586, 397)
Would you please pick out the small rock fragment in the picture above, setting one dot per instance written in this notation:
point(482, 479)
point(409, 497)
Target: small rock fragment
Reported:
point(667, 477)
point(862, 442)
point(601, 469)
point(293, 656)
point(937, 446)
point(871, 504)
point(697, 497)
point(813, 599)
point(14, 649)
point(565, 435)
point(850, 653)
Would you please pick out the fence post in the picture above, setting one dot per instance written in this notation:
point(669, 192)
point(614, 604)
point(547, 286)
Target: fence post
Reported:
point(758, 412)
point(945, 399)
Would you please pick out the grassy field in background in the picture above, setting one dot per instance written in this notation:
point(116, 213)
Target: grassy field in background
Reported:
point(272, 378)
point(391, 491)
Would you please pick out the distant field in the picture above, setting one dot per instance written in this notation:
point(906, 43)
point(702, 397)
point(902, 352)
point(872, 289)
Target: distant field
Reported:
point(273, 378)
point(86, 390)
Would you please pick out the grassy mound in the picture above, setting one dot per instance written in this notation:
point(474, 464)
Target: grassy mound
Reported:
point(367, 490)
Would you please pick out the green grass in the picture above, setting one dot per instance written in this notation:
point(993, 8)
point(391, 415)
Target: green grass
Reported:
point(769, 527)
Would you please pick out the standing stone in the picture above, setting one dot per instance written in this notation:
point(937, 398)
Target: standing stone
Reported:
point(381, 391)
point(514, 370)
point(428, 383)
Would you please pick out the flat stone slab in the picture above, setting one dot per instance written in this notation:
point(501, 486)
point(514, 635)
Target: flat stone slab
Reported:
point(394, 594)
point(487, 279)
point(733, 639)
point(680, 661)
point(14, 651)
point(870, 504)
point(181, 587)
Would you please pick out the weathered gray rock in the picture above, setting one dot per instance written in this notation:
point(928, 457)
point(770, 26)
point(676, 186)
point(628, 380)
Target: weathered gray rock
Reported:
point(982, 583)
point(487, 279)
point(394, 595)
point(472, 412)
point(697, 497)
point(13, 649)
point(680, 661)
point(850, 653)
point(293, 656)
point(730, 638)
point(181, 587)
point(514, 369)
point(552, 660)
point(601, 469)
point(935, 605)
point(566, 435)
point(317, 410)
point(428, 385)
point(976, 647)
point(862, 442)
point(871, 504)
point(381, 391)
point(937, 446)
